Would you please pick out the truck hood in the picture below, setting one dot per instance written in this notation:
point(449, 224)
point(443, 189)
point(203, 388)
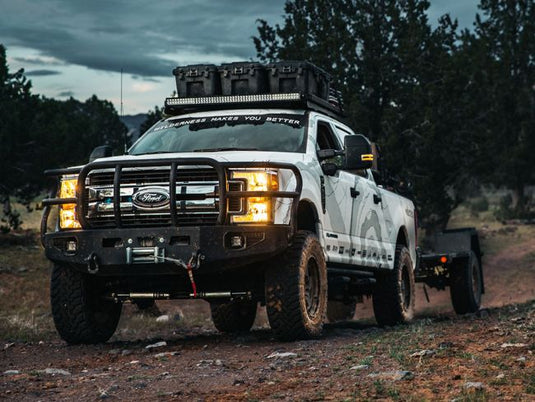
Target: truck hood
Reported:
point(226, 156)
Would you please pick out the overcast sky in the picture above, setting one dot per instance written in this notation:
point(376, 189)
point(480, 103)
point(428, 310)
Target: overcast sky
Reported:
point(78, 47)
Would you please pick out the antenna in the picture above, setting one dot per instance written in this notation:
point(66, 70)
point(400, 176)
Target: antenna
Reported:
point(121, 92)
point(122, 114)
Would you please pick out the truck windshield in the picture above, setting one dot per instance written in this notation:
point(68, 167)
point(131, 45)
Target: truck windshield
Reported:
point(261, 132)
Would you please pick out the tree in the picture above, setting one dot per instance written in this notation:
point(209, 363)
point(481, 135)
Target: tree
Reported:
point(17, 143)
point(39, 133)
point(505, 36)
point(402, 82)
point(73, 129)
point(153, 117)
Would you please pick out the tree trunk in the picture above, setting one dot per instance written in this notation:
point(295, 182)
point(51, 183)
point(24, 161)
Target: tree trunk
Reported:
point(519, 199)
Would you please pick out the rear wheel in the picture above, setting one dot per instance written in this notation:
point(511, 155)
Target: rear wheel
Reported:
point(80, 313)
point(296, 290)
point(466, 285)
point(234, 316)
point(393, 298)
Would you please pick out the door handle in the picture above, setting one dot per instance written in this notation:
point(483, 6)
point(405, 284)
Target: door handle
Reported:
point(354, 193)
point(377, 199)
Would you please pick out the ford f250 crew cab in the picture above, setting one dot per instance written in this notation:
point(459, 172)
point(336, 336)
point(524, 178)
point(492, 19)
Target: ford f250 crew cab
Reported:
point(251, 190)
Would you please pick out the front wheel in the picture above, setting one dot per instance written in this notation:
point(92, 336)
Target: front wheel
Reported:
point(466, 286)
point(296, 290)
point(80, 313)
point(394, 294)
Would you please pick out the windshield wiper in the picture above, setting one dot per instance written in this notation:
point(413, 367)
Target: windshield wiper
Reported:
point(224, 149)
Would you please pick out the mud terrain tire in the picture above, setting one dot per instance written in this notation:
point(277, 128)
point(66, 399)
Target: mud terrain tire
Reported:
point(466, 286)
point(393, 298)
point(79, 312)
point(296, 290)
point(234, 316)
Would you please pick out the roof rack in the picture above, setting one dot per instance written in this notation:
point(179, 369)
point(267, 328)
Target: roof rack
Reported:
point(297, 100)
point(239, 85)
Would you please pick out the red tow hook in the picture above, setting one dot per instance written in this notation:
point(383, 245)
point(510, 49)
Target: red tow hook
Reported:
point(191, 279)
point(193, 263)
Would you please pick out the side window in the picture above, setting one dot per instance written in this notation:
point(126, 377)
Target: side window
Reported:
point(326, 138)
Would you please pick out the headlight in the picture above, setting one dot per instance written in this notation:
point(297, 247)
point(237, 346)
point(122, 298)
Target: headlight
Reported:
point(67, 212)
point(257, 209)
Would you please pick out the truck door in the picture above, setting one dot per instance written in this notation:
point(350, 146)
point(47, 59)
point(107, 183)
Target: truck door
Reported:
point(338, 202)
point(372, 226)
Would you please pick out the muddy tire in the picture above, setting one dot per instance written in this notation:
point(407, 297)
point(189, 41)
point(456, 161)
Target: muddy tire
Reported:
point(340, 311)
point(296, 290)
point(393, 298)
point(80, 314)
point(234, 316)
point(466, 285)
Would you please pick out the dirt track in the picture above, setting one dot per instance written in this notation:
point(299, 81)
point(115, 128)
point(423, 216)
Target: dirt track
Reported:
point(439, 356)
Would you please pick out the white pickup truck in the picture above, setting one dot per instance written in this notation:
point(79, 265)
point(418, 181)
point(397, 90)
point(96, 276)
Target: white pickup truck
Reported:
point(239, 200)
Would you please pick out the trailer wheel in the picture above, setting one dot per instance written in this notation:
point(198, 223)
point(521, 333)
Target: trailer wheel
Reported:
point(296, 290)
point(394, 294)
point(234, 316)
point(80, 313)
point(466, 286)
point(340, 311)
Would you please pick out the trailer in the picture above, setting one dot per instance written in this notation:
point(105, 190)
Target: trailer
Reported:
point(454, 261)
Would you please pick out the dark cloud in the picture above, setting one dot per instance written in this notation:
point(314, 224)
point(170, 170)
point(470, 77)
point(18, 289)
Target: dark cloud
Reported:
point(149, 39)
point(39, 61)
point(65, 94)
point(142, 38)
point(41, 73)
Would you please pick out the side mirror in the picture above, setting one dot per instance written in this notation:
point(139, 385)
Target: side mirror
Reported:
point(100, 152)
point(358, 152)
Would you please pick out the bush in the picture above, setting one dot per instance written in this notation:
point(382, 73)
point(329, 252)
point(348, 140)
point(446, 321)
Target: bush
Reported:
point(506, 211)
point(478, 205)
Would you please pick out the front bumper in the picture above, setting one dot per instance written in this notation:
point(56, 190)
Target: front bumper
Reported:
point(143, 251)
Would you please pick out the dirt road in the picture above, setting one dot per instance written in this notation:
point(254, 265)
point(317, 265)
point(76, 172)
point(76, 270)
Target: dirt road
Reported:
point(488, 356)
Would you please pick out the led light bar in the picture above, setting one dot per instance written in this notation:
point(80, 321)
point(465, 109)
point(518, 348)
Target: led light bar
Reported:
point(218, 100)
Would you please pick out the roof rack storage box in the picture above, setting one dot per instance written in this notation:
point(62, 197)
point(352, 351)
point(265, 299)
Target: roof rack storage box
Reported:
point(197, 80)
point(298, 76)
point(243, 78)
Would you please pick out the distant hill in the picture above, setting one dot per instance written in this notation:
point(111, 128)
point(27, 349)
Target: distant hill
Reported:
point(132, 122)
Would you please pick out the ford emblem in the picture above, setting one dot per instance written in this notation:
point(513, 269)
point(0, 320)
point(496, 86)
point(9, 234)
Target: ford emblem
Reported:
point(151, 198)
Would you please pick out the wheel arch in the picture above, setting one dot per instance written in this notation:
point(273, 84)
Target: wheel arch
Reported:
point(307, 216)
point(403, 237)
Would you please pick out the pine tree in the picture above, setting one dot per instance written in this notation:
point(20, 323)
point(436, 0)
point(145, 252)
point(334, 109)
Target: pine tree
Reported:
point(506, 36)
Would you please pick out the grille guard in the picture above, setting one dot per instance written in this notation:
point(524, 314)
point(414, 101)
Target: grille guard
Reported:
point(221, 168)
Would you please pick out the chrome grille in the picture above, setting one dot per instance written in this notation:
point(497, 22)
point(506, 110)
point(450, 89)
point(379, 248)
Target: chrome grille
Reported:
point(197, 197)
